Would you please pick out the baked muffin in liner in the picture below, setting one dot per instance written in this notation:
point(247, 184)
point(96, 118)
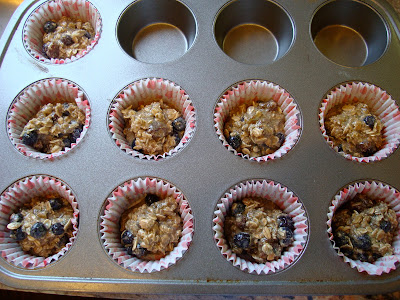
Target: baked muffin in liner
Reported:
point(286, 201)
point(246, 92)
point(53, 10)
point(378, 191)
point(14, 197)
point(379, 102)
point(120, 200)
point(28, 103)
point(143, 92)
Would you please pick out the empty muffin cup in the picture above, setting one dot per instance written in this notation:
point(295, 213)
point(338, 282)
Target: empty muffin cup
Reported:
point(246, 94)
point(155, 128)
point(380, 104)
point(66, 45)
point(63, 132)
point(286, 201)
point(15, 197)
point(378, 191)
point(126, 196)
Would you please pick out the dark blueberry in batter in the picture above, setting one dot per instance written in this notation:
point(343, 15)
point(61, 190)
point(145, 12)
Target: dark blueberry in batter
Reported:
point(19, 234)
point(362, 242)
point(30, 138)
point(370, 121)
point(16, 217)
point(44, 50)
point(242, 240)
point(151, 198)
point(127, 237)
point(140, 251)
point(49, 26)
point(238, 208)
point(67, 143)
point(65, 113)
point(376, 256)
point(289, 232)
point(347, 251)
point(129, 250)
point(57, 229)
point(342, 239)
point(286, 242)
point(133, 143)
point(38, 230)
point(281, 137)
point(177, 137)
point(87, 35)
point(56, 203)
point(235, 141)
point(75, 135)
point(286, 221)
point(385, 226)
point(362, 257)
point(67, 40)
point(179, 124)
point(340, 148)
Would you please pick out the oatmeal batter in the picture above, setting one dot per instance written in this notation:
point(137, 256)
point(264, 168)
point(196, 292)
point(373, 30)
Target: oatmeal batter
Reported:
point(153, 129)
point(354, 129)
point(151, 230)
point(256, 130)
point(364, 229)
point(257, 230)
point(54, 127)
point(43, 226)
point(66, 37)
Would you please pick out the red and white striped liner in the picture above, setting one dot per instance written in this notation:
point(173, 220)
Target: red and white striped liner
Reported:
point(54, 10)
point(375, 190)
point(380, 103)
point(27, 104)
point(146, 91)
point(120, 200)
point(286, 201)
point(246, 92)
point(15, 197)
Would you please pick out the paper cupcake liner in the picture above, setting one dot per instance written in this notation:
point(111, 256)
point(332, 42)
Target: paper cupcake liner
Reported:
point(286, 201)
point(26, 105)
point(146, 91)
point(16, 196)
point(381, 104)
point(119, 201)
point(262, 90)
point(54, 10)
point(375, 190)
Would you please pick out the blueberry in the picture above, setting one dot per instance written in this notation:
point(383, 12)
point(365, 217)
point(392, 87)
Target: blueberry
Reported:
point(340, 148)
point(19, 235)
point(18, 217)
point(289, 232)
point(177, 137)
point(57, 229)
point(242, 240)
point(386, 226)
point(129, 250)
point(342, 239)
point(235, 141)
point(347, 251)
point(133, 143)
point(286, 221)
point(127, 237)
point(376, 256)
point(75, 134)
point(151, 198)
point(56, 203)
point(281, 137)
point(370, 121)
point(286, 242)
point(67, 143)
point(140, 251)
point(65, 113)
point(362, 257)
point(87, 35)
point(238, 207)
point(49, 26)
point(38, 230)
point(30, 138)
point(179, 124)
point(67, 40)
point(362, 242)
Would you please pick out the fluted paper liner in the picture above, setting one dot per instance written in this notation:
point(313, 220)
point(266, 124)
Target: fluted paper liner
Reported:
point(286, 201)
point(379, 102)
point(16, 196)
point(120, 200)
point(146, 91)
point(54, 10)
point(246, 92)
point(379, 191)
point(27, 104)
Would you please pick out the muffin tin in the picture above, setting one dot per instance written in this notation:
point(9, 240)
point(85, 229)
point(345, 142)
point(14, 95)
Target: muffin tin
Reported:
point(206, 47)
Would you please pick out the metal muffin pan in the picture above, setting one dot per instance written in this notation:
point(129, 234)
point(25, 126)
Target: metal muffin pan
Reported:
point(198, 33)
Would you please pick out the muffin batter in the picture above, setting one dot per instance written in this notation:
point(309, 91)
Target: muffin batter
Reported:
point(257, 230)
point(256, 130)
point(364, 229)
point(153, 129)
point(43, 226)
point(354, 129)
point(54, 127)
point(150, 230)
point(66, 37)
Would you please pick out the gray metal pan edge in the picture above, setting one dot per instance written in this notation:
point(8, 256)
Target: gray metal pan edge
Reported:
point(204, 169)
